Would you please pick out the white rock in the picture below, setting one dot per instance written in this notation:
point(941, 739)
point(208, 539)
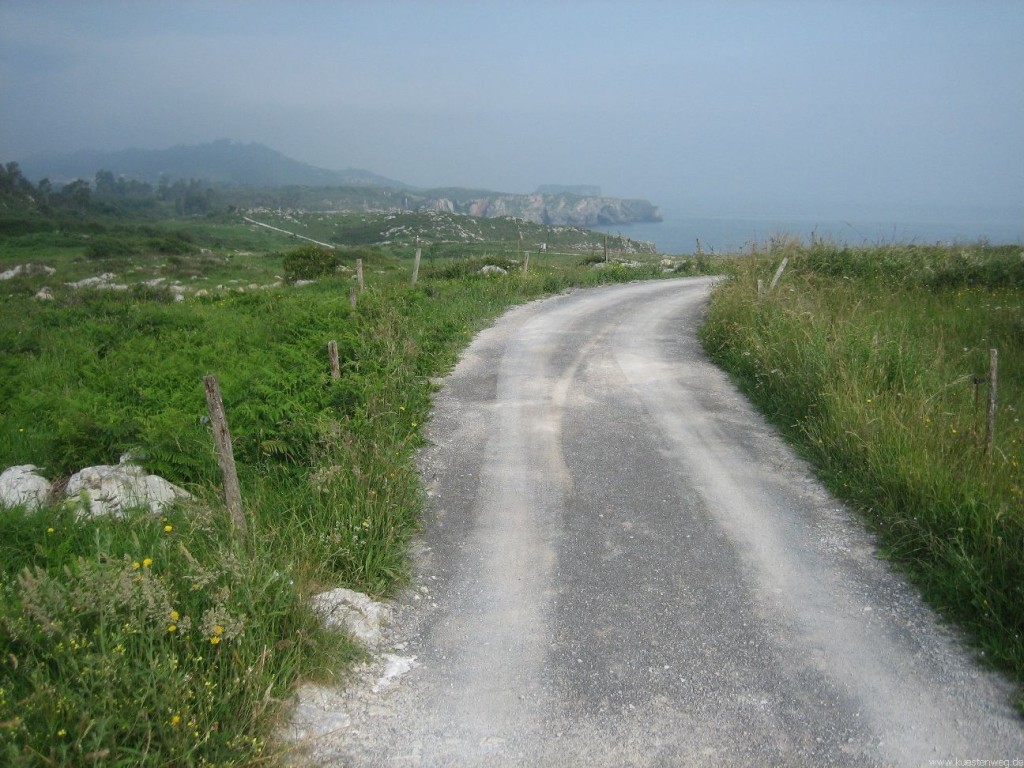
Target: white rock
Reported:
point(44, 294)
point(319, 712)
point(353, 611)
point(93, 282)
point(27, 269)
point(110, 490)
point(493, 269)
point(394, 668)
point(22, 485)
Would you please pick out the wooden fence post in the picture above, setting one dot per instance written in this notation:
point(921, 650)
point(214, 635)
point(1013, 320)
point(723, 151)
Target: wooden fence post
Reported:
point(225, 454)
point(359, 274)
point(416, 267)
point(778, 273)
point(526, 262)
point(993, 382)
point(332, 354)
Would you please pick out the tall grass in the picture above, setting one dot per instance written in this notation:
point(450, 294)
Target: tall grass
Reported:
point(873, 361)
point(161, 641)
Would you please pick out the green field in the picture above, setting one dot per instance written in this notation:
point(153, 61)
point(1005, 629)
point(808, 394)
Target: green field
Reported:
point(875, 363)
point(169, 640)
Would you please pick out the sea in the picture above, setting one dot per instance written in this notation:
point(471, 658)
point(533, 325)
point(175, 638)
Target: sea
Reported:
point(683, 231)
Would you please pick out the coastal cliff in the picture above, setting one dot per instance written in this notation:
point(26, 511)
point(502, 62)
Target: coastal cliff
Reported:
point(557, 210)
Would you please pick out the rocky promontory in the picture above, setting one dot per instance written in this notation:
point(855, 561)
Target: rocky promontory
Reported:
point(555, 210)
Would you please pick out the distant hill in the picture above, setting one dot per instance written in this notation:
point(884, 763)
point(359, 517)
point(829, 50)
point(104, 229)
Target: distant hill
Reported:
point(580, 190)
point(254, 176)
point(218, 162)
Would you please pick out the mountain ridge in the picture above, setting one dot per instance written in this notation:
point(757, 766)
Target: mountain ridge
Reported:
point(220, 162)
point(253, 166)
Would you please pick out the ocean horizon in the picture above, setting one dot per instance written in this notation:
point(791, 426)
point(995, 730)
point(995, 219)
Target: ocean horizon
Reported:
point(680, 233)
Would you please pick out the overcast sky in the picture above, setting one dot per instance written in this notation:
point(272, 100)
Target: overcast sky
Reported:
point(779, 105)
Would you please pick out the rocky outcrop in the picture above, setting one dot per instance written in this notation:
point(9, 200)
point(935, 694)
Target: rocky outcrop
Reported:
point(562, 210)
point(113, 489)
point(582, 190)
point(23, 486)
point(26, 269)
point(100, 490)
point(354, 612)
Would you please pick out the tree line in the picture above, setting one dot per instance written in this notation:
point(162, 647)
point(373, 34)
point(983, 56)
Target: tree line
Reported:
point(109, 194)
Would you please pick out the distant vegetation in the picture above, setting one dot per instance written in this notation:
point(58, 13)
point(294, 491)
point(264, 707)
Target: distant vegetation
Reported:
point(875, 363)
point(251, 176)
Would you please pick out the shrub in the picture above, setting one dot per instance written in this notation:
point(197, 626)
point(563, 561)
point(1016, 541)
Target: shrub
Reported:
point(108, 247)
point(308, 262)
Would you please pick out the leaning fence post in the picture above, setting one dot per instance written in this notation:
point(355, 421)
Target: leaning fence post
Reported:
point(332, 354)
point(416, 267)
point(225, 454)
point(778, 273)
point(359, 274)
point(993, 382)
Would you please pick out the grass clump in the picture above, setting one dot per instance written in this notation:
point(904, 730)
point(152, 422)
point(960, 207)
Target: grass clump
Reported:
point(873, 361)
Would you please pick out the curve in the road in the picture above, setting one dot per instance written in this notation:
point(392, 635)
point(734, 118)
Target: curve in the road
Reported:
point(624, 565)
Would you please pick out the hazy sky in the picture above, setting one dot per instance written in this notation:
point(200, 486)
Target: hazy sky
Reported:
point(774, 105)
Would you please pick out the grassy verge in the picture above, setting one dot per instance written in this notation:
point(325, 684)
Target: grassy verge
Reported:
point(872, 362)
point(154, 641)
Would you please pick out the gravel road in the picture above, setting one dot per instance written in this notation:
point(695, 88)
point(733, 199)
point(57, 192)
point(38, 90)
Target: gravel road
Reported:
point(623, 565)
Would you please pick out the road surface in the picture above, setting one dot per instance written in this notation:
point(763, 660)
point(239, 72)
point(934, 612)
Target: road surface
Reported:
point(624, 565)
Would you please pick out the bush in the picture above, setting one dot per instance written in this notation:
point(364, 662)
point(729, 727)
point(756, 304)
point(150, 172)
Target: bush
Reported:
point(308, 262)
point(108, 247)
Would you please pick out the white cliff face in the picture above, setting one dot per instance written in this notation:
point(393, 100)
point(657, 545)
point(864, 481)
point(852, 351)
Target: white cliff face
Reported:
point(561, 210)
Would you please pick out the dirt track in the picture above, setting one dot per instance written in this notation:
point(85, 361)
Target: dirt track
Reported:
point(623, 565)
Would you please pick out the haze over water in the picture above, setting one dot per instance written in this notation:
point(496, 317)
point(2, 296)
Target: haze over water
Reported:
point(713, 110)
point(682, 228)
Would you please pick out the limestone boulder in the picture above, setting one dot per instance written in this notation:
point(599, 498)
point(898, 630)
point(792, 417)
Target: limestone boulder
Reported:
point(354, 612)
point(113, 489)
point(23, 485)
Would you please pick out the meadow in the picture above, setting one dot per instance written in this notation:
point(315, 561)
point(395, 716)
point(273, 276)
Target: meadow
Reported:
point(169, 639)
point(875, 363)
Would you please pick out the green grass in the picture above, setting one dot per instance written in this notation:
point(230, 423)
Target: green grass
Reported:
point(161, 641)
point(869, 360)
